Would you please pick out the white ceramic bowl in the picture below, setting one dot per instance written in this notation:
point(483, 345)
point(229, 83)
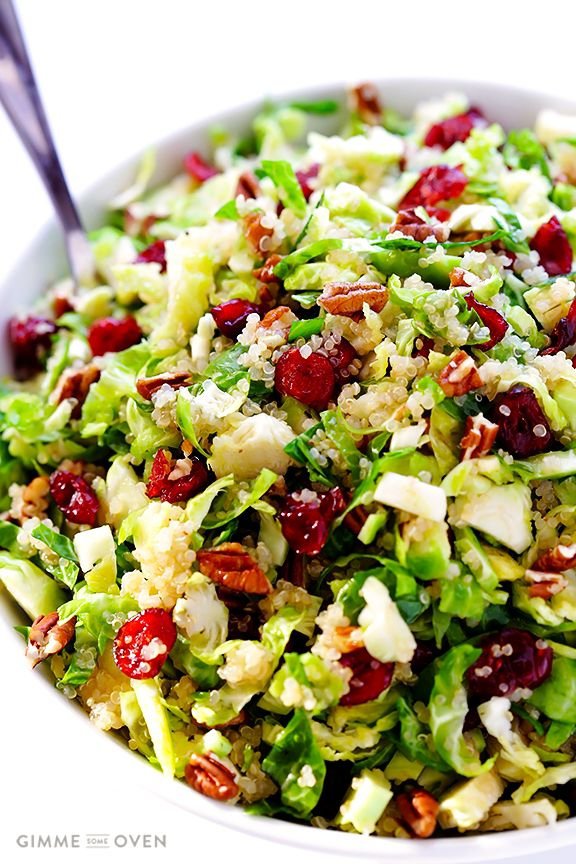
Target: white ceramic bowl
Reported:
point(44, 262)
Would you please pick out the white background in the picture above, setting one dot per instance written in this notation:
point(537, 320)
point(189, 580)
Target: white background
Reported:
point(115, 75)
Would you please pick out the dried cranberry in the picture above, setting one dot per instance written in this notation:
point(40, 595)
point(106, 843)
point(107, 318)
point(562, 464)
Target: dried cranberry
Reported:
point(553, 247)
point(154, 254)
point(341, 358)
point(564, 333)
point(453, 129)
point(304, 176)
point(440, 213)
point(511, 660)
point(30, 340)
point(424, 654)
point(74, 497)
point(523, 429)
point(198, 168)
point(423, 345)
point(231, 316)
point(113, 334)
point(143, 643)
point(306, 518)
point(181, 488)
point(496, 323)
point(437, 183)
point(369, 677)
point(309, 379)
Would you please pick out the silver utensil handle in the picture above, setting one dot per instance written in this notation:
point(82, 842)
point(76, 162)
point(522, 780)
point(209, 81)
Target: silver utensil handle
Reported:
point(21, 100)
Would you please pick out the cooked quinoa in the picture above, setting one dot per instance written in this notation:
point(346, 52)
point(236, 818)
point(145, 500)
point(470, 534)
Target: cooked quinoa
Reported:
point(290, 492)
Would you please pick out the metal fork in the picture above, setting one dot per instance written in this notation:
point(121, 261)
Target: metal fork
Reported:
point(21, 100)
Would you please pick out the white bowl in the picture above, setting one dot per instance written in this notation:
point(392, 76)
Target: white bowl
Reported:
point(43, 263)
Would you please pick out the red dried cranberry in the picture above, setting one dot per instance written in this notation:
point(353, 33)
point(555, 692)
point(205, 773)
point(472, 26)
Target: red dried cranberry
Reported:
point(440, 213)
point(564, 333)
point(304, 178)
point(310, 379)
point(496, 323)
point(30, 340)
point(370, 677)
point(423, 345)
point(511, 660)
point(341, 357)
point(74, 497)
point(153, 254)
point(231, 316)
point(523, 429)
point(143, 643)
point(424, 654)
point(113, 334)
point(306, 518)
point(453, 129)
point(553, 246)
point(198, 168)
point(180, 489)
point(437, 183)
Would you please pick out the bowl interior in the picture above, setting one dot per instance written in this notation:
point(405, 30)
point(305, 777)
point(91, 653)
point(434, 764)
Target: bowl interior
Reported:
point(45, 262)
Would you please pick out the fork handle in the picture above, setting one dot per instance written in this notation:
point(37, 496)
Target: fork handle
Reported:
point(22, 102)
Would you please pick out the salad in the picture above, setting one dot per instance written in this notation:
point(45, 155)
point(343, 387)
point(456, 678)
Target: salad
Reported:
point(289, 495)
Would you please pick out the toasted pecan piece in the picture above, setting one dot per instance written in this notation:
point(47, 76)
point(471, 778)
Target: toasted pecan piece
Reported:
point(75, 384)
point(411, 225)
point(266, 272)
point(365, 101)
point(146, 387)
point(557, 559)
point(348, 298)
point(460, 375)
point(47, 636)
point(479, 437)
point(33, 500)
point(209, 776)
point(545, 584)
point(458, 278)
point(230, 565)
point(347, 639)
point(256, 232)
point(272, 320)
point(248, 185)
point(419, 810)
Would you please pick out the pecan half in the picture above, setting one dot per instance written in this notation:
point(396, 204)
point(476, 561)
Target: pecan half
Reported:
point(47, 636)
point(266, 272)
point(479, 437)
point(209, 776)
point(248, 185)
point(419, 810)
point(348, 298)
point(545, 585)
point(146, 387)
point(75, 384)
point(460, 375)
point(256, 233)
point(365, 101)
point(230, 565)
point(557, 559)
point(411, 225)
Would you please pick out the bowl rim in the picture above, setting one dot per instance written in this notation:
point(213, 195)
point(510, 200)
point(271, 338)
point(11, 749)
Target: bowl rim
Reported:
point(481, 847)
